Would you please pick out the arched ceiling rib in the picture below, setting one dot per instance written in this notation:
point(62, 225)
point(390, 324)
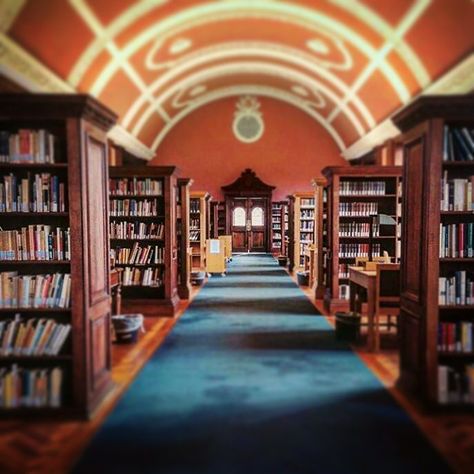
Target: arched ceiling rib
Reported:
point(347, 63)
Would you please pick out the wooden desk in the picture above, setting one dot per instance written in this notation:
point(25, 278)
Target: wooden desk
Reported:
point(362, 280)
point(116, 289)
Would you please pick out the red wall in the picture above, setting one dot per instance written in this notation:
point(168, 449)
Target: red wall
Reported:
point(292, 150)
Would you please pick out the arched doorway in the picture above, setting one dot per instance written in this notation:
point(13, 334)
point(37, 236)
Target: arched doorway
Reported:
point(248, 208)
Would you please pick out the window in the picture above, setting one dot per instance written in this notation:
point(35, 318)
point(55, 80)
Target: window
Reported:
point(257, 216)
point(238, 217)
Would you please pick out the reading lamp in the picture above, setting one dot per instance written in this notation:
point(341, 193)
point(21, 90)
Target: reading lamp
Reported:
point(379, 219)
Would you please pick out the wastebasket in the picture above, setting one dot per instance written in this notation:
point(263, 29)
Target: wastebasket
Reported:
point(282, 261)
point(347, 326)
point(126, 327)
point(197, 278)
point(302, 278)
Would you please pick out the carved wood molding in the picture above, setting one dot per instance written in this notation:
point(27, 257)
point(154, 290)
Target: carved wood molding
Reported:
point(248, 184)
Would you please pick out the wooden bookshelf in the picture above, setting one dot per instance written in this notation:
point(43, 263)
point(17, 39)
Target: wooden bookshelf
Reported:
point(182, 236)
point(217, 222)
point(199, 219)
point(279, 227)
point(79, 125)
point(156, 294)
point(320, 236)
point(301, 228)
point(426, 368)
point(350, 203)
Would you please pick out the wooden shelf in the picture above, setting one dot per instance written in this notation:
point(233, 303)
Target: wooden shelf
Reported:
point(136, 196)
point(425, 123)
point(34, 214)
point(33, 165)
point(35, 262)
point(35, 310)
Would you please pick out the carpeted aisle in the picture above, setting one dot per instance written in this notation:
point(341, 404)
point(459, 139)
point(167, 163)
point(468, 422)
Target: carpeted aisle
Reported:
point(251, 381)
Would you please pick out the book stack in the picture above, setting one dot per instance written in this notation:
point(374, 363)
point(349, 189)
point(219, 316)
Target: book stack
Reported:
point(26, 146)
point(136, 230)
point(357, 188)
point(457, 289)
point(38, 193)
point(456, 240)
point(138, 255)
point(458, 144)
point(35, 291)
point(194, 206)
point(35, 242)
point(456, 194)
point(33, 337)
point(357, 229)
point(456, 337)
point(194, 235)
point(150, 277)
point(351, 209)
point(135, 187)
point(343, 270)
point(22, 387)
point(133, 207)
point(358, 250)
point(307, 225)
point(194, 223)
point(456, 384)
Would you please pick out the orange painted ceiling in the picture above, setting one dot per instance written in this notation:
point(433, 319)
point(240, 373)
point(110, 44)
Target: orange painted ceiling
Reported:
point(349, 64)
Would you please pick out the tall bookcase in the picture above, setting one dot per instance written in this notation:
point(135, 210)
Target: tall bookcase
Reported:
point(217, 223)
point(301, 224)
point(354, 193)
point(199, 219)
point(66, 192)
point(436, 358)
point(279, 227)
point(182, 236)
point(320, 236)
point(143, 236)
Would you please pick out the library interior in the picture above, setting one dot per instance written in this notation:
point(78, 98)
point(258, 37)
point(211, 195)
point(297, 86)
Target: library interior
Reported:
point(236, 236)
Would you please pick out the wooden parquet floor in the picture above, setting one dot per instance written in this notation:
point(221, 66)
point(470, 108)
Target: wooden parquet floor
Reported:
point(40, 447)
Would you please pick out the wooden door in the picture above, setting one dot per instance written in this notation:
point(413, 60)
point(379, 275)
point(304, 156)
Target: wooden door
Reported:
point(249, 224)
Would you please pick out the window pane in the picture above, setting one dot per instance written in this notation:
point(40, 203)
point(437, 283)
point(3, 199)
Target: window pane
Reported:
point(238, 217)
point(257, 216)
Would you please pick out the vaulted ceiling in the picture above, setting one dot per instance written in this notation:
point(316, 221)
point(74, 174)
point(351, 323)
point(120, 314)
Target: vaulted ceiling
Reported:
point(349, 64)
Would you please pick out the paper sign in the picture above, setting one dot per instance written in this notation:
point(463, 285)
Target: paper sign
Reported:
point(214, 246)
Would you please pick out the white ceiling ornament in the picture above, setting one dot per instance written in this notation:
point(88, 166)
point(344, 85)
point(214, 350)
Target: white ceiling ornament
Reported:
point(180, 101)
point(177, 48)
point(330, 51)
point(248, 125)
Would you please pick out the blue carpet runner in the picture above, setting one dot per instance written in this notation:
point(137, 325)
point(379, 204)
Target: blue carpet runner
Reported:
point(252, 381)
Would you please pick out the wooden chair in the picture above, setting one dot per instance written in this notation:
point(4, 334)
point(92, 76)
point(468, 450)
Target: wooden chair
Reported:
point(387, 297)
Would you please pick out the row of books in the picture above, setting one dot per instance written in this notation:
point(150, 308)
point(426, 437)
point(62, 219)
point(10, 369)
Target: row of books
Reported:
point(23, 387)
point(138, 255)
point(458, 144)
point(39, 193)
point(35, 242)
point(457, 289)
point(276, 235)
point(307, 202)
point(344, 291)
point(134, 208)
point(456, 337)
point(343, 270)
point(306, 225)
point(27, 146)
point(456, 240)
point(358, 229)
point(358, 250)
point(358, 208)
point(306, 236)
point(303, 247)
point(136, 230)
point(135, 187)
point(194, 235)
point(35, 291)
point(349, 188)
point(32, 337)
point(133, 276)
point(194, 223)
point(306, 214)
point(456, 194)
point(194, 206)
point(456, 385)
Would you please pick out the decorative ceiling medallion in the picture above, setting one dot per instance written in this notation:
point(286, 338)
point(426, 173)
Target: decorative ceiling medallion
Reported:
point(248, 125)
point(180, 45)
